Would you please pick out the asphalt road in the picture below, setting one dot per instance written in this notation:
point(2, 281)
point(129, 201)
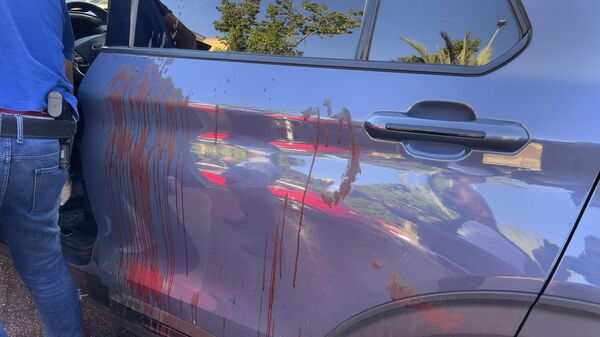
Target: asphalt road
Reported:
point(18, 315)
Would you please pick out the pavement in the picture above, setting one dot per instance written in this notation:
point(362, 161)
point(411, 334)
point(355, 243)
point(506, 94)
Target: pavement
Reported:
point(18, 315)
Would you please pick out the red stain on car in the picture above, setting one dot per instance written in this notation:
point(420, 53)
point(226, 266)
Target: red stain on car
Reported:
point(147, 176)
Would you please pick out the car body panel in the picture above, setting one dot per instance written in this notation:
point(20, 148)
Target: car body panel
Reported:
point(246, 196)
point(570, 305)
point(470, 313)
point(577, 276)
point(557, 316)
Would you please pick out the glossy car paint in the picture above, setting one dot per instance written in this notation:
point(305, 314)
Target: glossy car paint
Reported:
point(577, 275)
point(247, 199)
point(571, 303)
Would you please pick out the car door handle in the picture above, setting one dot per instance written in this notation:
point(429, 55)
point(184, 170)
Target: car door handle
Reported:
point(477, 134)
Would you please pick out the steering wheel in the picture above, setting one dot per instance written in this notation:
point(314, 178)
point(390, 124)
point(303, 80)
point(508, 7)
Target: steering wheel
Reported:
point(84, 7)
point(89, 22)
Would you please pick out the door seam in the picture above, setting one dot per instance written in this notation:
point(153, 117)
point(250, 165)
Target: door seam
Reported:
point(560, 255)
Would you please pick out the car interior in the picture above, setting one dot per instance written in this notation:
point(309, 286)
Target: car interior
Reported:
point(77, 224)
point(89, 28)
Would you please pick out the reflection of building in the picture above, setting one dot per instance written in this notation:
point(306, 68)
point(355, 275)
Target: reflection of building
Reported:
point(529, 158)
point(201, 43)
point(215, 43)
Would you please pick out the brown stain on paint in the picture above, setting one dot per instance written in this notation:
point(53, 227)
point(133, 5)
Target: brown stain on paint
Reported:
point(265, 261)
point(147, 125)
point(273, 283)
point(260, 305)
point(216, 123)
point(442, 318)
point(307, 114)
point(181, 196)
point(377, 265)
point(285, 205)
point(344, 118)
point(149, 282)
point(272, 289)
point(141, 273)
point(194, 302)
point(274, 275)
point(397, 290)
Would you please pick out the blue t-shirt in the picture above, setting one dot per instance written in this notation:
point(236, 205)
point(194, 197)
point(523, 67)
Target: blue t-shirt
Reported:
point(35, 39)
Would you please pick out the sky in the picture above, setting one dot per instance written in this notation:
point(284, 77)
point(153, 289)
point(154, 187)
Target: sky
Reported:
point(420, 20)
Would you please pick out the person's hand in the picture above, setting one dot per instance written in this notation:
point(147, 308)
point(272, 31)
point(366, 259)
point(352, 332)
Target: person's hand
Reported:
point(65, 194)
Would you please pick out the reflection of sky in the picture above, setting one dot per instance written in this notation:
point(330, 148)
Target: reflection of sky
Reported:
point(519, 206)
point(199, 15)
point(585, 229)
point(422, 20)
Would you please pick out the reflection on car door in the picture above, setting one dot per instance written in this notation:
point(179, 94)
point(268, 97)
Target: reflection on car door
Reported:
point(245, 196)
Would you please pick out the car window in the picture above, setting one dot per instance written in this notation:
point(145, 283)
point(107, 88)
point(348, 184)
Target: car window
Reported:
point(448, 32)
point(326, 28)
point(451, 32)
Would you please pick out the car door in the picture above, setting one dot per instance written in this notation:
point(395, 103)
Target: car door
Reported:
point(342, 168)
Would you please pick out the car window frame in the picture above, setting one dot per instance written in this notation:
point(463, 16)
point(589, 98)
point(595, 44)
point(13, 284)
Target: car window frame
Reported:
point(359, 62)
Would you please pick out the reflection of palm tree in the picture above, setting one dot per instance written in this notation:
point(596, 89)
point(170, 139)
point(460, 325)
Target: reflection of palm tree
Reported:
point(457, 52)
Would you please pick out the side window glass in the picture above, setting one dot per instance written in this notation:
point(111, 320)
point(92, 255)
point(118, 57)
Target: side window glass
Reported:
point(326, 28)
point(450, 32)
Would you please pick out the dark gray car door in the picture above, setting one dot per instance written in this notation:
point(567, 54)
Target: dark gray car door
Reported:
point(357, 187)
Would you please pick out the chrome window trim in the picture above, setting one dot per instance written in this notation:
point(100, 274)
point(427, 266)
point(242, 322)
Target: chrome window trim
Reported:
point(133, 21)
point(367, 29)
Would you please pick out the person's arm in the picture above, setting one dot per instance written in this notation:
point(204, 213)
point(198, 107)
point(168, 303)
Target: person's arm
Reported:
point(181, 35)
point(68, 41)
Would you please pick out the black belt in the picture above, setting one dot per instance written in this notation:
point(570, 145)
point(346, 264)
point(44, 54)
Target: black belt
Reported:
point(38, 127)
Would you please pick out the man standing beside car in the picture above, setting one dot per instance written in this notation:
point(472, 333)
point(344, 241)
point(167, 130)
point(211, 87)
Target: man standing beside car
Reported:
point(36, 46)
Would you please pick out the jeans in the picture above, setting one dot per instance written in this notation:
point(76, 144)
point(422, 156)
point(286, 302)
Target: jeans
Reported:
point(30, 186)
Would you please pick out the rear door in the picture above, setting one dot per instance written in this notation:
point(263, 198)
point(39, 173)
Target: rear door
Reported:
point(570, 302)
point(364, 168)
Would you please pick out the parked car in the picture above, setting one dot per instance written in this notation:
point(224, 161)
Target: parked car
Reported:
point(340, 168)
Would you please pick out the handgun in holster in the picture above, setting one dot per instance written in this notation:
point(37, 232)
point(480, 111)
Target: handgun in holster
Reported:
point(60, 109)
